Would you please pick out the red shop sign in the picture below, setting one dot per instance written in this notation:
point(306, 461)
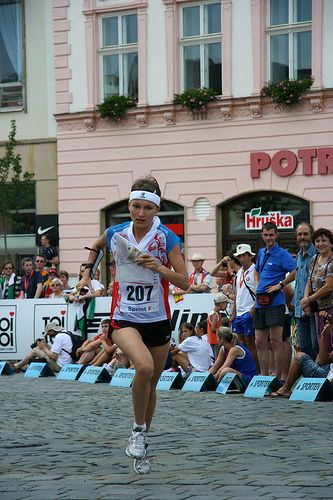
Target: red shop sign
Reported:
point(285, 162)
point(254, 220)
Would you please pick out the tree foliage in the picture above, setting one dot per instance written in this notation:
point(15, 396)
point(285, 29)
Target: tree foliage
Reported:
point(13, 184)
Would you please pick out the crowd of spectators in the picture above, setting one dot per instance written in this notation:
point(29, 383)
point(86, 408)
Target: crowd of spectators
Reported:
point(257, 301)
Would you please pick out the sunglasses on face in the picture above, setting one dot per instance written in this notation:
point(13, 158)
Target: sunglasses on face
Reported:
point(40, 261)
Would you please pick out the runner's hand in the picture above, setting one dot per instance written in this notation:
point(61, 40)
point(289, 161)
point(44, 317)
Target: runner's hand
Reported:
point(148, 261)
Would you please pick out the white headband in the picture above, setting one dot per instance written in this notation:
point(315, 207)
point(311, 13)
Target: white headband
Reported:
point(145, 195)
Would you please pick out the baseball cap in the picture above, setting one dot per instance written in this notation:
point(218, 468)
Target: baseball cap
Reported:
point(221, 297)
point(52, 326)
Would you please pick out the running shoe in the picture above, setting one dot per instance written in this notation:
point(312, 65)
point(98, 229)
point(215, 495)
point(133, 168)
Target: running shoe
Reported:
point(137, 444)
point(142, 465)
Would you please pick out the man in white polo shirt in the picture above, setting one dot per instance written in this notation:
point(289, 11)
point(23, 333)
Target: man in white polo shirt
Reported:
point(242, 317)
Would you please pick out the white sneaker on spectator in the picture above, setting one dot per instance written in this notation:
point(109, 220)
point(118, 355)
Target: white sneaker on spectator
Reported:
point(137, 444)
point(142, 465)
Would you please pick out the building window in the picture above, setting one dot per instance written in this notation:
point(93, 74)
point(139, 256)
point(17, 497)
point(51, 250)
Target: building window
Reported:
point(11, 55)
point(289, 33)
point(201, 46)
point(119, 55)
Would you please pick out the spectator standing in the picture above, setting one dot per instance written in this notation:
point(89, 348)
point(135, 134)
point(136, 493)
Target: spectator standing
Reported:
point(56, 289)
point(40, 263)
point(306, 326)
point(31, 282)
point(200, 279)
point(242, 316)
point(272, 264)
point(64, 276)
point(50, 253)
point(9, 281)
point(319, 288)
point(221, 302)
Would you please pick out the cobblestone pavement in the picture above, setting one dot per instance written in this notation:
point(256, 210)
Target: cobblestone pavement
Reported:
point(66, 440)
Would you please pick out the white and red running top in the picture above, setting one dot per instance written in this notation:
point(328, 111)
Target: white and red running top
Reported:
point(140, 295)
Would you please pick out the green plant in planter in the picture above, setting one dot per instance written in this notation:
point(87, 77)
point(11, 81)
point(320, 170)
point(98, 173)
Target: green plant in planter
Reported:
point(196, 100)
point(287, 91)
point(115, 106)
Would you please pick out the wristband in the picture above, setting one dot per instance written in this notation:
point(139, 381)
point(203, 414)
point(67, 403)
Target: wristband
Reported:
point(281, 284)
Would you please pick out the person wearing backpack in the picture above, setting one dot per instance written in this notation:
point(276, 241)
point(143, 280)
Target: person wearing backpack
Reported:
point(58, 354)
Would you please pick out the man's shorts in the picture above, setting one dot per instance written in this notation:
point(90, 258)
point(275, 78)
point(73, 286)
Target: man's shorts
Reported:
point(309, 368)
point(264, 317)
point(153, 334)
point(243, 324)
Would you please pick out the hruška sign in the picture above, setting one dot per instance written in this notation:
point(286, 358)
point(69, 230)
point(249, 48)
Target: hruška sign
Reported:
point(254, 220)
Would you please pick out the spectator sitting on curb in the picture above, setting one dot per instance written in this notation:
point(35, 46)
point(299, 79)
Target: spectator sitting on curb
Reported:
point(119, 360)
point(238, 360)
point(193, 353)
point(56, 355)
point(303, 364)
point(92, 348)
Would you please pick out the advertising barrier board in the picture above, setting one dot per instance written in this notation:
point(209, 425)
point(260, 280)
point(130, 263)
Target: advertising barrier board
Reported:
point(23, 321)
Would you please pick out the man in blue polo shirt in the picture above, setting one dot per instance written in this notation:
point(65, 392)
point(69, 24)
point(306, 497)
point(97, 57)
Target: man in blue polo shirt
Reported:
point(272, 264)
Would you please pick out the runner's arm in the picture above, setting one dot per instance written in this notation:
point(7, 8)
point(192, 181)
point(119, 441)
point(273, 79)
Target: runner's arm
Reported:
point(98, 245)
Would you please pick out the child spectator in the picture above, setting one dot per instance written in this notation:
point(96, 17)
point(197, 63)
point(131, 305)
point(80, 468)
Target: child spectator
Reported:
point(193, 353)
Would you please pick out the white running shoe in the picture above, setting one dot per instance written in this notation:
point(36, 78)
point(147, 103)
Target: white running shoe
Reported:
point(137, 444)
point(142, 465)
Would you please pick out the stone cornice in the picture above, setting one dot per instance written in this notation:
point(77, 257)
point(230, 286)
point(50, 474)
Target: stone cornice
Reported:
point(225, 109)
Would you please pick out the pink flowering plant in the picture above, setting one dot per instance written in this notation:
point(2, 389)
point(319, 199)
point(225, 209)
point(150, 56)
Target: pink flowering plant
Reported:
point(115, 106)
point(287, 91)
point(196, 100)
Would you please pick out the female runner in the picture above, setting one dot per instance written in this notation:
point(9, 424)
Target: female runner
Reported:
point(144, 251)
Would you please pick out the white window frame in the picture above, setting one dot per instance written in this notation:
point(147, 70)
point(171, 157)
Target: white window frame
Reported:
point(4, 87)
point(286, 29)
point(200, 40)
point(119, 50)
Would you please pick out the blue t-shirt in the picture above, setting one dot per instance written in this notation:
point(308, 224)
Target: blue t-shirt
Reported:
point(29, 284)
point(273, 265)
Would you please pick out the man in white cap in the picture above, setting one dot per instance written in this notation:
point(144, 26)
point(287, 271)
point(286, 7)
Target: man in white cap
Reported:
point(200, 279)
point(242, 316)
point(57, 355)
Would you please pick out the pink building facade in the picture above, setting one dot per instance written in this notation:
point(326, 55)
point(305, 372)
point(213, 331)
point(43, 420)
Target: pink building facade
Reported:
point(219, 175)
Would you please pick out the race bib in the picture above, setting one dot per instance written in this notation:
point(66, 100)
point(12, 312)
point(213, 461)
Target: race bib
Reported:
point(138, 297)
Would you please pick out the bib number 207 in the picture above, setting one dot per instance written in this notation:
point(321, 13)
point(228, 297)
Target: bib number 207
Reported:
point(139, 293)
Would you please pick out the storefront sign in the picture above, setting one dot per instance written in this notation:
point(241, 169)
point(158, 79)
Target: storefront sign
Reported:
point(254, 219)
point(285, 162)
